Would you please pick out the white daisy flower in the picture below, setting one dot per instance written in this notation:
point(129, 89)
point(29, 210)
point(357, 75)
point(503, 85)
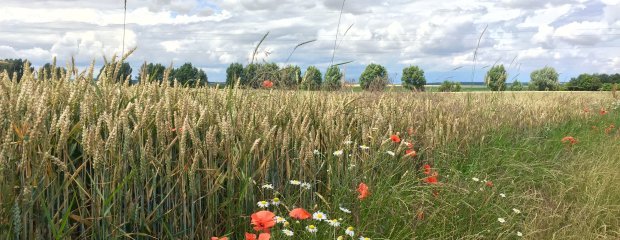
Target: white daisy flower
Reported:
point(501, 220)
point(316, 152)
point(517, 211)
point(267, 186)
point(288, 232)
point(306, 185)
point(275, 201)
point(364, 238)
point(333, 222)
point(349, 231)
point(320, 216)
point(312, 229)
point(502, 195)
point(338, 153)
point(364, 147)
point(349, 142)
point(280, 219)
point(475, 179)
point(391, 153)
point(263, 204)
point(519, 234)
point(345, 210)
point(295, 182)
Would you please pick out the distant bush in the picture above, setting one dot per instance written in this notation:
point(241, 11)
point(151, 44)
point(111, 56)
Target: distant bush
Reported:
point(333, 78)
point(312, 79)
point(290, 77)
point(496, 78)
point(234, 73)
point(374, 76)
point(585, 82)
point(413, 78)
point(449, 86)
point(516, 86)
point(545, 79)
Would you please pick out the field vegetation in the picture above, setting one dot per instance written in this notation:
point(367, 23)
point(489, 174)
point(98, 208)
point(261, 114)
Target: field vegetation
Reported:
point(101, 159)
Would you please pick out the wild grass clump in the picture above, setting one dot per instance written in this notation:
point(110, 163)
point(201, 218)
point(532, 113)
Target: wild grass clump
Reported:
point(81, 158)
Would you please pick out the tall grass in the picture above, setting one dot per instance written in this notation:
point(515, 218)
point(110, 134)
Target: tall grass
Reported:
point(81, 158)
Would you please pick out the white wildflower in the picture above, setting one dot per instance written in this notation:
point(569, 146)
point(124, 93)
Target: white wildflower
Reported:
point(517, 211)
point(267, 186)
point(334, 222)
point(391, 153)
point(263, 204)
point(501, 220)
point(288, 232)
point(338, 153)
point(295, 182)
point(350, 231)
point(312, 229)
point(345, 210)
point(320, 216)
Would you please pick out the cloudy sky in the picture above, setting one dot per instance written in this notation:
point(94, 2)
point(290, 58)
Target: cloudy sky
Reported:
point(574, 36)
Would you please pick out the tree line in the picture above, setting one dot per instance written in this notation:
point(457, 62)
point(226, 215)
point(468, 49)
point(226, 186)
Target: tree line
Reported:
point(373, 78)
point(546, 79)
point(186, 74)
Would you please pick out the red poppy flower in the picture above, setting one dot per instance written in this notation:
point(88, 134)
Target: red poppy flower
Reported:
point(363, 190)
point(262, 236)
point(489, 184)
point(267, 84)
point(299, 213)
point(410, 145)
point(410, 153)
point(427, 169)
point(603, 111)
point(263, 220)
point(395, 138)
point(218, 238)
point(570, 140)
point(431, 179)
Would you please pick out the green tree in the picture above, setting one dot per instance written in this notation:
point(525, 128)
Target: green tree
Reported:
point(249, 74)
point(152, 72)
point(123, 74)
point(413, 78)
point(496, 78)
point(449, 86)
point(234, 72)
point(190, 75)
point(374, 76)
point(13, 66)
point(290, 76)
point(267, 71)
point(333, 78)
point(312, 79)
point(516, 86)
point(545, 79)
point(585, 82)
point(49, 71)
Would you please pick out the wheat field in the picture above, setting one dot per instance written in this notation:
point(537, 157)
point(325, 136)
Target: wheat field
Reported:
point(94, 159)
